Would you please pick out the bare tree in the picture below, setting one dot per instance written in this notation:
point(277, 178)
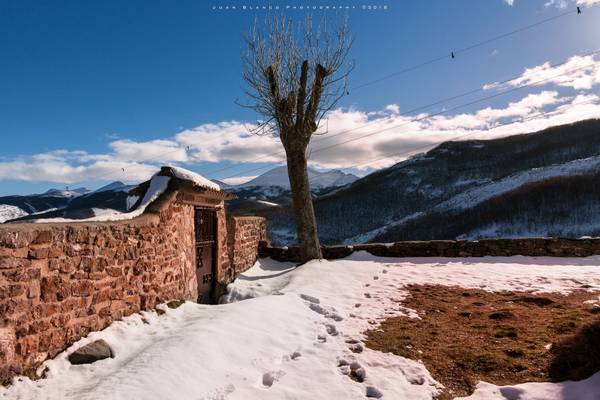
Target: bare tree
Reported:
point(295, 75)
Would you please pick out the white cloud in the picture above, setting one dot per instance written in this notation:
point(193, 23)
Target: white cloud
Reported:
point(39, 168)
point(354, 139)
point(579, 72)
point(520, 108)
point(228, 140)
point(564, 3)
point(154, 150)
point(557, 3)
point(393, 108)
point(510, 2)
point(412, 137)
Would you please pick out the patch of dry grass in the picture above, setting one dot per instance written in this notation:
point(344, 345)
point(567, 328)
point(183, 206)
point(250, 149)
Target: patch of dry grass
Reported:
point(467, 335)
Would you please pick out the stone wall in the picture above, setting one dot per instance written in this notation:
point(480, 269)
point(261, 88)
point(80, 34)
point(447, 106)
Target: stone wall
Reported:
point(58, 282)
point(244, 236)
point(553, 247)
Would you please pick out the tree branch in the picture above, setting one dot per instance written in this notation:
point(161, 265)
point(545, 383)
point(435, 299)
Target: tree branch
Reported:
point(315, 97)
point(301, 94)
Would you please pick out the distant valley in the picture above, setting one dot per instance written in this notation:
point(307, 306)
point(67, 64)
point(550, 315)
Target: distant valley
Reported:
point(536, 184)
point(64, 203)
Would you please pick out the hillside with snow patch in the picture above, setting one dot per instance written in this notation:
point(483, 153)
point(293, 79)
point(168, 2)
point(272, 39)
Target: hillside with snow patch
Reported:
point(437, 195)
point(8, 212)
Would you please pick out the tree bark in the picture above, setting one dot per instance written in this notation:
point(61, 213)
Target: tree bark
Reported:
point(297, 165)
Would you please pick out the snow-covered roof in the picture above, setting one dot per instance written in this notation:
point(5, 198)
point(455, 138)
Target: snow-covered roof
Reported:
point(157, 186)
point(190, 176)
point(148, 191)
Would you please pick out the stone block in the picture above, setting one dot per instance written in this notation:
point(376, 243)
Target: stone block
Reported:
point(7, 345)
point(38, 253)
point(54, 288)
point(12, 262)
point(43, 237)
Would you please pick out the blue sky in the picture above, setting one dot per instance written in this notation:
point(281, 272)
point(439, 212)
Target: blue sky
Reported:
point(89, 89)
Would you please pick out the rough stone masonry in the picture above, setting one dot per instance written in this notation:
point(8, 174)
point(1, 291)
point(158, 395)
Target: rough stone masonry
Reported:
point(58, 281)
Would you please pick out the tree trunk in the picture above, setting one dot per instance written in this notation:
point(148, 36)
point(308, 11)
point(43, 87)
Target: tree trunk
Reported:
point(306, 226)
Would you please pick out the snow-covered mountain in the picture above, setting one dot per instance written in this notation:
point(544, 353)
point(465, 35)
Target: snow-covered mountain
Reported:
point(114, 186)
point(272, 189)
point(318, 179)
point(65, 203)
point(536, 184)
point(67, 193)
point(222, 184)
point(8, 212)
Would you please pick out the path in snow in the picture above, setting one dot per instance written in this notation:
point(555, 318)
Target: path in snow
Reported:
point(297, 334)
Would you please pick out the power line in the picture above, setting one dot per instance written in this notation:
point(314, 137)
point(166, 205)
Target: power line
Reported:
point(443, 111)
point(405, 113)
point(415, 149)
point(454, 108)
point(408, 69)
point(454, 53)
point(431, 145)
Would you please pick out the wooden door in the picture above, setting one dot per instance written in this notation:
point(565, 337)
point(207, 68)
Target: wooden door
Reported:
point(206, 241)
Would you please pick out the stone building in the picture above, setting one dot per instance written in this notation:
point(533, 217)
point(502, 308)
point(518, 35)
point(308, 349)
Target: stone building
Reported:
point(61, 280)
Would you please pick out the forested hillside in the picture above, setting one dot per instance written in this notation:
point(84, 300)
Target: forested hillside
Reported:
point(419, 192)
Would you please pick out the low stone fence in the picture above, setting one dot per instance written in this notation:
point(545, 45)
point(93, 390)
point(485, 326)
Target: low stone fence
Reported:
point(553, 247)
point(243, 237)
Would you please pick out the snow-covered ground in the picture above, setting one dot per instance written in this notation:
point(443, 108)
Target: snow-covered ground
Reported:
point(267, 203)
point(8, 212)
point(286, 333)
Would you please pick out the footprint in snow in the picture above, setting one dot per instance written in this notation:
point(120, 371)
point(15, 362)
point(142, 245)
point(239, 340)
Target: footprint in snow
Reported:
point(326, 313)
point(416, 380)
point(319, 309)
point(335, 317)
point(310, 299)
point(357, 372)
point(375, 278)
point(368, 295)
point(271, 377)
point(221, 393)
point(353, 369)
point(331, 330)
point(354, 345)
point(295, 355)
point(344, 366)
point(321, 338)
point(373, 392)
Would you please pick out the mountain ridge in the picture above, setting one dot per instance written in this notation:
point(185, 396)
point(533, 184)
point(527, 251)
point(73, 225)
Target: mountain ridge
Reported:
point(417, 185)
point(318, 179)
